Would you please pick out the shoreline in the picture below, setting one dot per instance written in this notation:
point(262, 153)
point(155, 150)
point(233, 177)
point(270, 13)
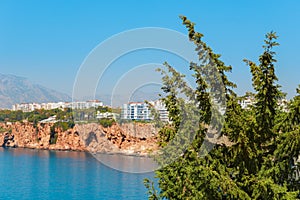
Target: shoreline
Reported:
point(126, 139)
point(83, 151)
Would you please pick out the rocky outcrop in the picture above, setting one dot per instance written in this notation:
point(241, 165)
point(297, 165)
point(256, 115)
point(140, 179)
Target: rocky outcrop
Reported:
point(126, 138)
point(134, 137)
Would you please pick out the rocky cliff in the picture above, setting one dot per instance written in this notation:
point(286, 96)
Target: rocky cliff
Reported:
point(133, 138)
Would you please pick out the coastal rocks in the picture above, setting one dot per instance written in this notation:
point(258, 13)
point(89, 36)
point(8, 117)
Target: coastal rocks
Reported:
point(7, 140)
point(23, 135)
point(139, 130)
point(126, 138)
point(118, 138)
point(133, 137)
point(68, 140)
point(94, 138)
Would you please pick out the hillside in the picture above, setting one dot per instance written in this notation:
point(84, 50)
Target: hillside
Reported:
point(14, 89)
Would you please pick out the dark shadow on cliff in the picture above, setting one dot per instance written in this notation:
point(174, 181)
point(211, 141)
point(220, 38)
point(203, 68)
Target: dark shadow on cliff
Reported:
point(92, 136)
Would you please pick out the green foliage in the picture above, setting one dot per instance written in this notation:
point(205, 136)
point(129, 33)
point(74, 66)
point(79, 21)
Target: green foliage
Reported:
point(53, 137)
point(63, 126)
point(155, 115)
point(171, 81)
point(7, 115)
point(2, 130)
point(151, 189)
point(268, 93)
point(166, 134)
point(34, 116)
point(106, 122)
point(104, 109)
point(260, 159)
point(81, 115)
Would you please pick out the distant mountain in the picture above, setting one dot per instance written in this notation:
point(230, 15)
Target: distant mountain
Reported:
point(14, 89)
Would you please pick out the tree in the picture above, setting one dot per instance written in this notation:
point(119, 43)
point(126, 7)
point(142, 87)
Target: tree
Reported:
point(259, 161)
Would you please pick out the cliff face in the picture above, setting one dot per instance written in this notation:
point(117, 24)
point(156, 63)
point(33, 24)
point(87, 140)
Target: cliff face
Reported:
point(125, 138)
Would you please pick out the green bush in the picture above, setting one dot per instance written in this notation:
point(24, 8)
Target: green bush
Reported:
point(106, 122)
point(53, 138)
point(64, 126)
point(2, 130)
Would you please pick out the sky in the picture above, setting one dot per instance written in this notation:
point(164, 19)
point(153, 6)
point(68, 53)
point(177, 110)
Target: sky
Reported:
point(48, 41)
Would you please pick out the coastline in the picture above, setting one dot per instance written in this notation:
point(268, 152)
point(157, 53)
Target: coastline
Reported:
point(145, 155)
point(129, 139)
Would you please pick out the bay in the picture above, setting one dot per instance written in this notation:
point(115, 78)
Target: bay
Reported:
point(44, 174)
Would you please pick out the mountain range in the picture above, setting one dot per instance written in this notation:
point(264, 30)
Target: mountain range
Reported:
point(15, 89)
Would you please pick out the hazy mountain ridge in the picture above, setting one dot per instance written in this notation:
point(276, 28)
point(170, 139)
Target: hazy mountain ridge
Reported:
point(15, 89)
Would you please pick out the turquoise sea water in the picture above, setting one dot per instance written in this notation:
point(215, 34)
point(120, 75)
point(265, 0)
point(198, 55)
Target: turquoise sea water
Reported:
point(42, 174)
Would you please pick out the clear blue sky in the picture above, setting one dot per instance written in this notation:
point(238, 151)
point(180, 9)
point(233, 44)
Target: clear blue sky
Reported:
point(46, 41)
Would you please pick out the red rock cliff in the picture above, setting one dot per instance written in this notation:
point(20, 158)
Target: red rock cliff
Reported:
point(125, 138)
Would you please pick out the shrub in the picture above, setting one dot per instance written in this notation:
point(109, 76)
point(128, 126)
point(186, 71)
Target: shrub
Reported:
point(106, 122)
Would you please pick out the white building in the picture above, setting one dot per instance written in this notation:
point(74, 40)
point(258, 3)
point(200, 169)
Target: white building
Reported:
point(141, 111)
point(107, 115)
point(246, 102)
point(283, 104)
point(160, 107)
point(136, 111)
point(94, 103)
point(28, 107)
point(51, 119)
point(85, 104)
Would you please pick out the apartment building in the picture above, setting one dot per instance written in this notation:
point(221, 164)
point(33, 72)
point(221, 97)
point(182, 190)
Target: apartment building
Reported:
point(160, 107)
point(136, 111)
point(28, 107)
point(142, 111)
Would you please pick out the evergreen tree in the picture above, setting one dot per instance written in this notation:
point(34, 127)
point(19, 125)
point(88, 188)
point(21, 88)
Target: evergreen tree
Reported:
point(260, 159)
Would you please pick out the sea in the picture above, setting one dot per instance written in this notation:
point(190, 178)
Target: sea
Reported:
point(43, 174)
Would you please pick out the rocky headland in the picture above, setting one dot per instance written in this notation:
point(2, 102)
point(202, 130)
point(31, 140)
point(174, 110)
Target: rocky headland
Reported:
point(128, 138)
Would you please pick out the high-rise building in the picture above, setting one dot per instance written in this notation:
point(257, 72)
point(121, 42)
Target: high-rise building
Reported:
point(142, 111)
point(136, 111)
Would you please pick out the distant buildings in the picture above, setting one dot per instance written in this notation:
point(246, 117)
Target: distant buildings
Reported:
point(283, 104)
point(246, 102)
point(107, 115)
point(85, 104)
point(136, 111)
point(160, 107)
point(130, 111)
point(28, 107)
point(141, 111)
point(249, 100)
point(51, 119)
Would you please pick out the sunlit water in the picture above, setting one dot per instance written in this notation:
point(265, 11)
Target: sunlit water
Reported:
point(42, 174)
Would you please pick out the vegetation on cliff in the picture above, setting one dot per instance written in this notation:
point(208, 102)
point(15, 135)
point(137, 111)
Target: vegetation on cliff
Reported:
point(65, 117)
point(37, 115)
point(261, 160)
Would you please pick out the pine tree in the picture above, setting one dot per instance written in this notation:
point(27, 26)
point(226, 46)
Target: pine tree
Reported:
point(260, 159)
